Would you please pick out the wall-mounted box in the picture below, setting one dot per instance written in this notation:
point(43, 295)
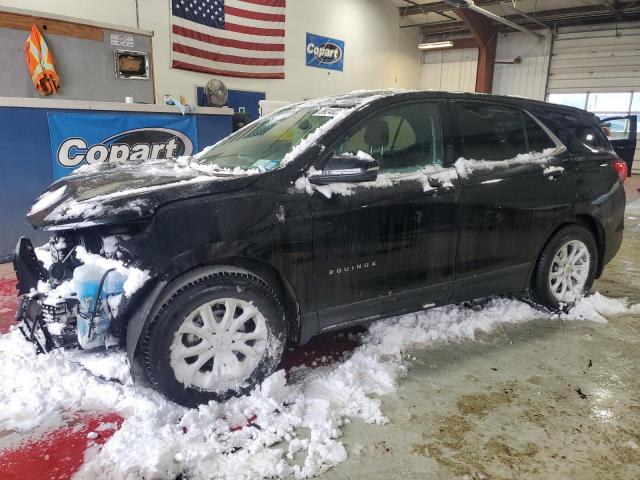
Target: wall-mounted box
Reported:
point(131, 65)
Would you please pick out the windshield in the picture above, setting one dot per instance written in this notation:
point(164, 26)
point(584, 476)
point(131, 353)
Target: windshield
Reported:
point(265, 143)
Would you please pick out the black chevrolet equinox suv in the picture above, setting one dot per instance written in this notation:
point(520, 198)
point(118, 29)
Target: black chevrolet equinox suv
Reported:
point(321, 215)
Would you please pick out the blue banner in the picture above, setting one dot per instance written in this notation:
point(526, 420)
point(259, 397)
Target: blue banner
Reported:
point(325, 52)
point(79, 138)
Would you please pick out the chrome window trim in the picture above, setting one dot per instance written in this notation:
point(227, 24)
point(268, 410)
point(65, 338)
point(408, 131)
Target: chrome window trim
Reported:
point(560, 147)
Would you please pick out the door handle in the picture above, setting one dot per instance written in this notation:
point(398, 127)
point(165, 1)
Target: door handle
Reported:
point(439, 191)
point(554, 175)
point(438, 186)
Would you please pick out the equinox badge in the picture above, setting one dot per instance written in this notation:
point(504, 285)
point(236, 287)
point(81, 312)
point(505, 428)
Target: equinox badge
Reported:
point(351, 268)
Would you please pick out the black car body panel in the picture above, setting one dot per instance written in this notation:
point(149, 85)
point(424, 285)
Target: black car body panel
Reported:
point(382, 249)
point(111, 192)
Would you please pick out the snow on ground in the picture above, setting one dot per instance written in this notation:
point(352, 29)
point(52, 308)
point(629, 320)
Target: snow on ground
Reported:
point(288, 429)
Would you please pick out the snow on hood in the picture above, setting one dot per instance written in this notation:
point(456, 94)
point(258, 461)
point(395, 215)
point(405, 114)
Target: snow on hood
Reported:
point(130, 191)
point(47, 199)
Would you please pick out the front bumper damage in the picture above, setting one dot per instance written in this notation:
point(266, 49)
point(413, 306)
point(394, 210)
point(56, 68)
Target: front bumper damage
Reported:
point(35, 320)
point(46, 324)
point(73, 303)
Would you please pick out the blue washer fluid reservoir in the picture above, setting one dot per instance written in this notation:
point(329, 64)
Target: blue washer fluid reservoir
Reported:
point(87, 283)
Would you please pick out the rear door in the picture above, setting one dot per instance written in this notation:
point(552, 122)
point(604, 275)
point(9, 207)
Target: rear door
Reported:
point(387, 246)
point(622, 133)
point(517, 183)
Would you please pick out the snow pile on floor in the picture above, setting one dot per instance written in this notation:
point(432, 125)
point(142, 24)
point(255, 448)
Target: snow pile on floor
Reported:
point(287, 429)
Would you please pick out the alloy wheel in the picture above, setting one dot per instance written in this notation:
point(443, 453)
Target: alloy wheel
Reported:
point(569, 271)
point(219, 343)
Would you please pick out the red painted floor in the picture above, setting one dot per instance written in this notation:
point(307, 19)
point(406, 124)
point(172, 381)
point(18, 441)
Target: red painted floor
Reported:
point(8, 302)
point(59, 453)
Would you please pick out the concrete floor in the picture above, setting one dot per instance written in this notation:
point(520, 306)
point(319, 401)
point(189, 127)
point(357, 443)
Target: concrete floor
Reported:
point(543, 400)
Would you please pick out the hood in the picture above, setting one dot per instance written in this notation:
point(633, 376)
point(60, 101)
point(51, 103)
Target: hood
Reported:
point(110, 193)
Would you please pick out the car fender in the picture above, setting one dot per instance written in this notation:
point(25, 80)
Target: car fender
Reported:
point(138, 318)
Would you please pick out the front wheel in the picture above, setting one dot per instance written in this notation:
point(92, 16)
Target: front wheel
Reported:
point(566, 268)
point(214, 337)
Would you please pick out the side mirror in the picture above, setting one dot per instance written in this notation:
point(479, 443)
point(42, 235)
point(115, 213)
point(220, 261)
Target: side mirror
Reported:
point(347, 168)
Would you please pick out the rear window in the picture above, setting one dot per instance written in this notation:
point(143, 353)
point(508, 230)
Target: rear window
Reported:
point(586, 135)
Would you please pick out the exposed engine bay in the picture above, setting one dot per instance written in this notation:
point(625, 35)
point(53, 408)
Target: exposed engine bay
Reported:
point(72, 290)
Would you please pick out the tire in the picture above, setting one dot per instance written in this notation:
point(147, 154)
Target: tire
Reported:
point(189, 353)
point(552, 268)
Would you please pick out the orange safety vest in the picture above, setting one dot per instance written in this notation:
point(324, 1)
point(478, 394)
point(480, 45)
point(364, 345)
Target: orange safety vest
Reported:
point(40, 62)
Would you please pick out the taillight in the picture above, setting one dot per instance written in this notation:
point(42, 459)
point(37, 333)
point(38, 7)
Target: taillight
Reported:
point(620, 166)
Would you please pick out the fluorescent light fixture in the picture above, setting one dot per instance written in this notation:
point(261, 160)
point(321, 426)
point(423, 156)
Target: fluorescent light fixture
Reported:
point(434, 45)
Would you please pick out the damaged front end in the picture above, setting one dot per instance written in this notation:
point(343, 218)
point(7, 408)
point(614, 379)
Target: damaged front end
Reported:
point(72, 291)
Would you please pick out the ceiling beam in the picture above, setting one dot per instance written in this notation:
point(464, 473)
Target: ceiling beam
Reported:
point(425, 9)
point(525, 15)
point(486, 36)
point(559, 17)
point(482, 29)
point(442, 6)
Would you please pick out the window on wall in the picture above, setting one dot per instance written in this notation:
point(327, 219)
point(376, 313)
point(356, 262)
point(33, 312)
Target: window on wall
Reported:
point(635, 103)
point(603, 104)
point(609, 102)
point(578, 100)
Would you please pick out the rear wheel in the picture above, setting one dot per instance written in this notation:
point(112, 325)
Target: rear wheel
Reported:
point(214, 337)
point(566, 268)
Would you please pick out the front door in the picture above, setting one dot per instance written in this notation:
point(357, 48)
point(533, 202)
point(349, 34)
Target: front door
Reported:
point(517, 183)
point(388, 246)
point(622, 133)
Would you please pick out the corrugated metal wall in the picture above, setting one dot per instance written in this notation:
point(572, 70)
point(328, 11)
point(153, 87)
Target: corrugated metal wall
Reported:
point(456, 69)
point(453, 70)
point(525, 79)
point(596, 59)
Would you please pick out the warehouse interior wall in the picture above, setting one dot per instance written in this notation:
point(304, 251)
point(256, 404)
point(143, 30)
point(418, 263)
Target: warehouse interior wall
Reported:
point(529, 77)
point(455, 70)
point(452, 70)
point(378, 54)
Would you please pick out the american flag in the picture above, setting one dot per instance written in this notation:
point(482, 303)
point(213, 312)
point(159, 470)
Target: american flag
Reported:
point(236, 38)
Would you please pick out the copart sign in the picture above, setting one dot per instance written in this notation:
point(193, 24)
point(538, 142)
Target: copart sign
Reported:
point(78, 138)
point(325, 52)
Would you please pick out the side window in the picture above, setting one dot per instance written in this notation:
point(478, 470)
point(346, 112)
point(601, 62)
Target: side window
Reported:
point(403, 138)
point(536, 136)
point(491, 132)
